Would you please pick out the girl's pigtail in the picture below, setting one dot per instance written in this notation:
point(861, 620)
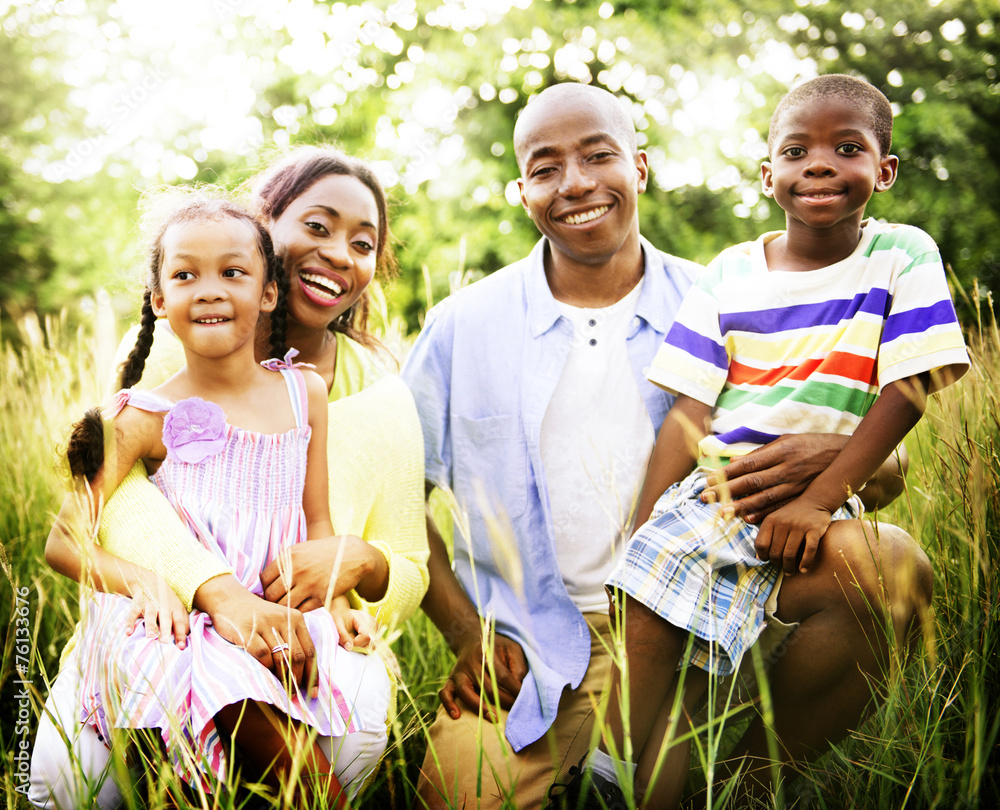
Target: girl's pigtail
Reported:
point(85, 450)
point(279, 315)
point(134, 364)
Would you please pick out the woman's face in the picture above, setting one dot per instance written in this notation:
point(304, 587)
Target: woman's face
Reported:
point(327, 240)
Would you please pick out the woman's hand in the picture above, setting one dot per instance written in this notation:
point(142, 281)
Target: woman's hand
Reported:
point(309, 575)
point(275, 635)
point(158, 606)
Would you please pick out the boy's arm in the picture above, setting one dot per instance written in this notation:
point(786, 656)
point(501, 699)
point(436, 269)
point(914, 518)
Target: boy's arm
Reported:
point(675, 452)
point(798, 527)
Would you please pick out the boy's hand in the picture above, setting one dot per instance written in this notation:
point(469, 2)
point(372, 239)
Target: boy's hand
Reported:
point(164, 614)
point(791, 533)
point(356, 628)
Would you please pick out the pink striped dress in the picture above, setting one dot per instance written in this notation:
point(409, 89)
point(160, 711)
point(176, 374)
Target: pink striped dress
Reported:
point(245, 504)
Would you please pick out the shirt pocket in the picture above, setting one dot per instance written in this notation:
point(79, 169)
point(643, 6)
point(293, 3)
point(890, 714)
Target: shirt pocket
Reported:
point(491, 465)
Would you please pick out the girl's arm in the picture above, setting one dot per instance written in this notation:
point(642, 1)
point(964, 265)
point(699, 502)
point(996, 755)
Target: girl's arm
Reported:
point(315, 494)
point(675, 452)
point(375, 458)
point(797, 528)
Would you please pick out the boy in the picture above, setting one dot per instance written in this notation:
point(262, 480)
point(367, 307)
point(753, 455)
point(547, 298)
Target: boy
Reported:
point(838, 324)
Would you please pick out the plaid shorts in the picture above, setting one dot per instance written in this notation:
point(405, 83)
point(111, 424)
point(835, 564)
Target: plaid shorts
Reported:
point(699, 571)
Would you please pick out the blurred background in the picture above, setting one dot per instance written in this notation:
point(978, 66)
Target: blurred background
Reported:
point(101, 100)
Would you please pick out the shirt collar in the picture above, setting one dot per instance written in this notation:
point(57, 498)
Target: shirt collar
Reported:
point(654, 290)
point(543, 311)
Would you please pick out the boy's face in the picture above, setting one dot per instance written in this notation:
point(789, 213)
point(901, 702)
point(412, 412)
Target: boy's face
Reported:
point(580, 179)
point(826, 165)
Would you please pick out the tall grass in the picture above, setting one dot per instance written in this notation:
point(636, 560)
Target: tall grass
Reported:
point(932, 741)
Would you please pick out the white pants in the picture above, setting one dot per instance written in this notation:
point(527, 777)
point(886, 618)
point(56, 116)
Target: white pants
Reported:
point(71, 767)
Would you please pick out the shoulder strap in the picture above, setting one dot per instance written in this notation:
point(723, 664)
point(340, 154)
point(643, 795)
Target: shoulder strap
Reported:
point(144, 400)
point(297, 394)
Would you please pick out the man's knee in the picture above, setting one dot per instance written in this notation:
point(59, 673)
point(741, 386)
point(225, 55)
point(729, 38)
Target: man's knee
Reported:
point(881, 569)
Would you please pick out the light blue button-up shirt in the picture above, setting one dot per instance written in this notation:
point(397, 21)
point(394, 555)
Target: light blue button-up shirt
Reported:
point(482, 373)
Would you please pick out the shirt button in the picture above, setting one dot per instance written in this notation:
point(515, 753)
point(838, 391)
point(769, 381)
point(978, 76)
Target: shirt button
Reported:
point(592, 322)
point(593, 341)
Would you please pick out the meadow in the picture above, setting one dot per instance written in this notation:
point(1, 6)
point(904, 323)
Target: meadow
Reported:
point(931, 742)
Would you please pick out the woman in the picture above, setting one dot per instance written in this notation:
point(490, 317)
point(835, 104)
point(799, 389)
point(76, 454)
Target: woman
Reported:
point(327, 214)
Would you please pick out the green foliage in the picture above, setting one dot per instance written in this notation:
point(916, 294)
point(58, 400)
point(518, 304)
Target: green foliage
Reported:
point(430, 91)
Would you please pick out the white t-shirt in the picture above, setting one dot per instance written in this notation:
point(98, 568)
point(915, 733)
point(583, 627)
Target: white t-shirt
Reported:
point(595, 443)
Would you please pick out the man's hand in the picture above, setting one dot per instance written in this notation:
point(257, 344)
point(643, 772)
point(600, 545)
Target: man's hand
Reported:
point(472, 682)
point(791, 533)
point(771, 476)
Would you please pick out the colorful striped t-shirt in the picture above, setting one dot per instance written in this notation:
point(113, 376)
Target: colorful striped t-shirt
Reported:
point(807, 352)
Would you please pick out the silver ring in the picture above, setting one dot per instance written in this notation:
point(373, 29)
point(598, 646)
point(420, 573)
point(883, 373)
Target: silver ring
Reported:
point(277, 648)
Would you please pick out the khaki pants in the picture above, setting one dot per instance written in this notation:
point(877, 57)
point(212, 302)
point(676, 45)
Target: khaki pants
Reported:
point(470, 764)
point(461, 751)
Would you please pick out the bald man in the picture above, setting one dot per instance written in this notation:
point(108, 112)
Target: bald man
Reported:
point(537, 414)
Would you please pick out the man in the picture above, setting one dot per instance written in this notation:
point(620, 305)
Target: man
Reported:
point(537, 414)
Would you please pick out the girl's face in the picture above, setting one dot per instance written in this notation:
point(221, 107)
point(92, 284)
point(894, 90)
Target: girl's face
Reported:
point(327, 240)
point(212, 285)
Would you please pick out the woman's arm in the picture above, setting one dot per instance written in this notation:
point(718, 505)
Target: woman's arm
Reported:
point(140, 526)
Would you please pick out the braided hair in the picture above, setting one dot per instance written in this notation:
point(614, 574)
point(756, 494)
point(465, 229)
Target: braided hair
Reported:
point(85, 450)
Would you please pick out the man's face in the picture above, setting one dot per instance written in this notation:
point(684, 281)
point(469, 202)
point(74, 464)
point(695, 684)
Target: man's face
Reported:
point(580, 179)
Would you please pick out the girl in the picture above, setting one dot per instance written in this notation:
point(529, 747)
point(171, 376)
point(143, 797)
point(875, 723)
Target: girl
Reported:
point(228, 442)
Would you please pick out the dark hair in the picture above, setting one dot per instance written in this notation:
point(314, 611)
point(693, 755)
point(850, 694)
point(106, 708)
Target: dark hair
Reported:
point(285, 181)
point(86, 445)
point(848, 88)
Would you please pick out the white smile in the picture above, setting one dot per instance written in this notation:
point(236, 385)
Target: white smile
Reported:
point(211, 320)
point(586, 216)
point(324, 283)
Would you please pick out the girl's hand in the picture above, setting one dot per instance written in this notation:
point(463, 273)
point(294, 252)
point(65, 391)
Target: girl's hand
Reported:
point(163, 613)
point(791, 533)
point(356, 628)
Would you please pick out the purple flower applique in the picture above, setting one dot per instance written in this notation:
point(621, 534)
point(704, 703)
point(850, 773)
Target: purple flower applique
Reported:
point(194, 430)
